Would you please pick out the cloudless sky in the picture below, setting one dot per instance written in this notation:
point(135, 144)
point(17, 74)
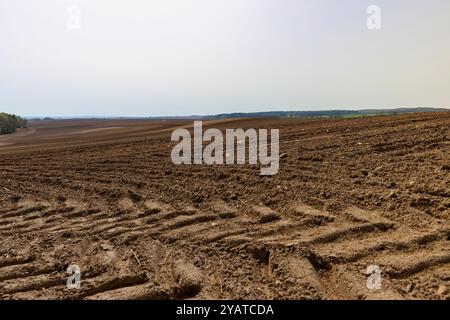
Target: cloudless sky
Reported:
point(182, 57)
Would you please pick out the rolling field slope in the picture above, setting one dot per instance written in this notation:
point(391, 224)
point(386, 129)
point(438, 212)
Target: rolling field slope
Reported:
point(105, 195)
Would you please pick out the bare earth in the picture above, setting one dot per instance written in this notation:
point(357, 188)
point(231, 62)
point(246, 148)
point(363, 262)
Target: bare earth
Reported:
point(104, 195)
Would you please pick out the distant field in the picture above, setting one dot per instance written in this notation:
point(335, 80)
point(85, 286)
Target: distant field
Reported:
point(105, 195)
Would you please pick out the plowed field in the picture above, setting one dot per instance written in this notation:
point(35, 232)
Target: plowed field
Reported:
point(105, 195)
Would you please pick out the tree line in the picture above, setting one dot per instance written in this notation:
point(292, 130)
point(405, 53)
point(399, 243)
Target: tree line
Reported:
point(10, 122)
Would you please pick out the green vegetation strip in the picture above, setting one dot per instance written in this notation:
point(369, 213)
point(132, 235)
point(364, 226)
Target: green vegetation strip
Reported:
point(10, 122)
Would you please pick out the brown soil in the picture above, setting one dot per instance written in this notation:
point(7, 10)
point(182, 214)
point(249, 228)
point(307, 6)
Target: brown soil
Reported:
point(349, 194)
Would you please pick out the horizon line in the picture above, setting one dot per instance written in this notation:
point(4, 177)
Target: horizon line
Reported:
point(227, 113)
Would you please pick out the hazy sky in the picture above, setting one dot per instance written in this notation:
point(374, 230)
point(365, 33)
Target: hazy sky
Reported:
point(177, 57)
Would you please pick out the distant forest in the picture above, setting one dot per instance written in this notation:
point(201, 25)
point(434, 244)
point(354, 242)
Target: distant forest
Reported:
point(310, 114)
point(10, 122)
point(325, 113)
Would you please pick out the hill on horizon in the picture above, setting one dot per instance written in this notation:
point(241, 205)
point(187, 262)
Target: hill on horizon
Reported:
point(269, 114)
